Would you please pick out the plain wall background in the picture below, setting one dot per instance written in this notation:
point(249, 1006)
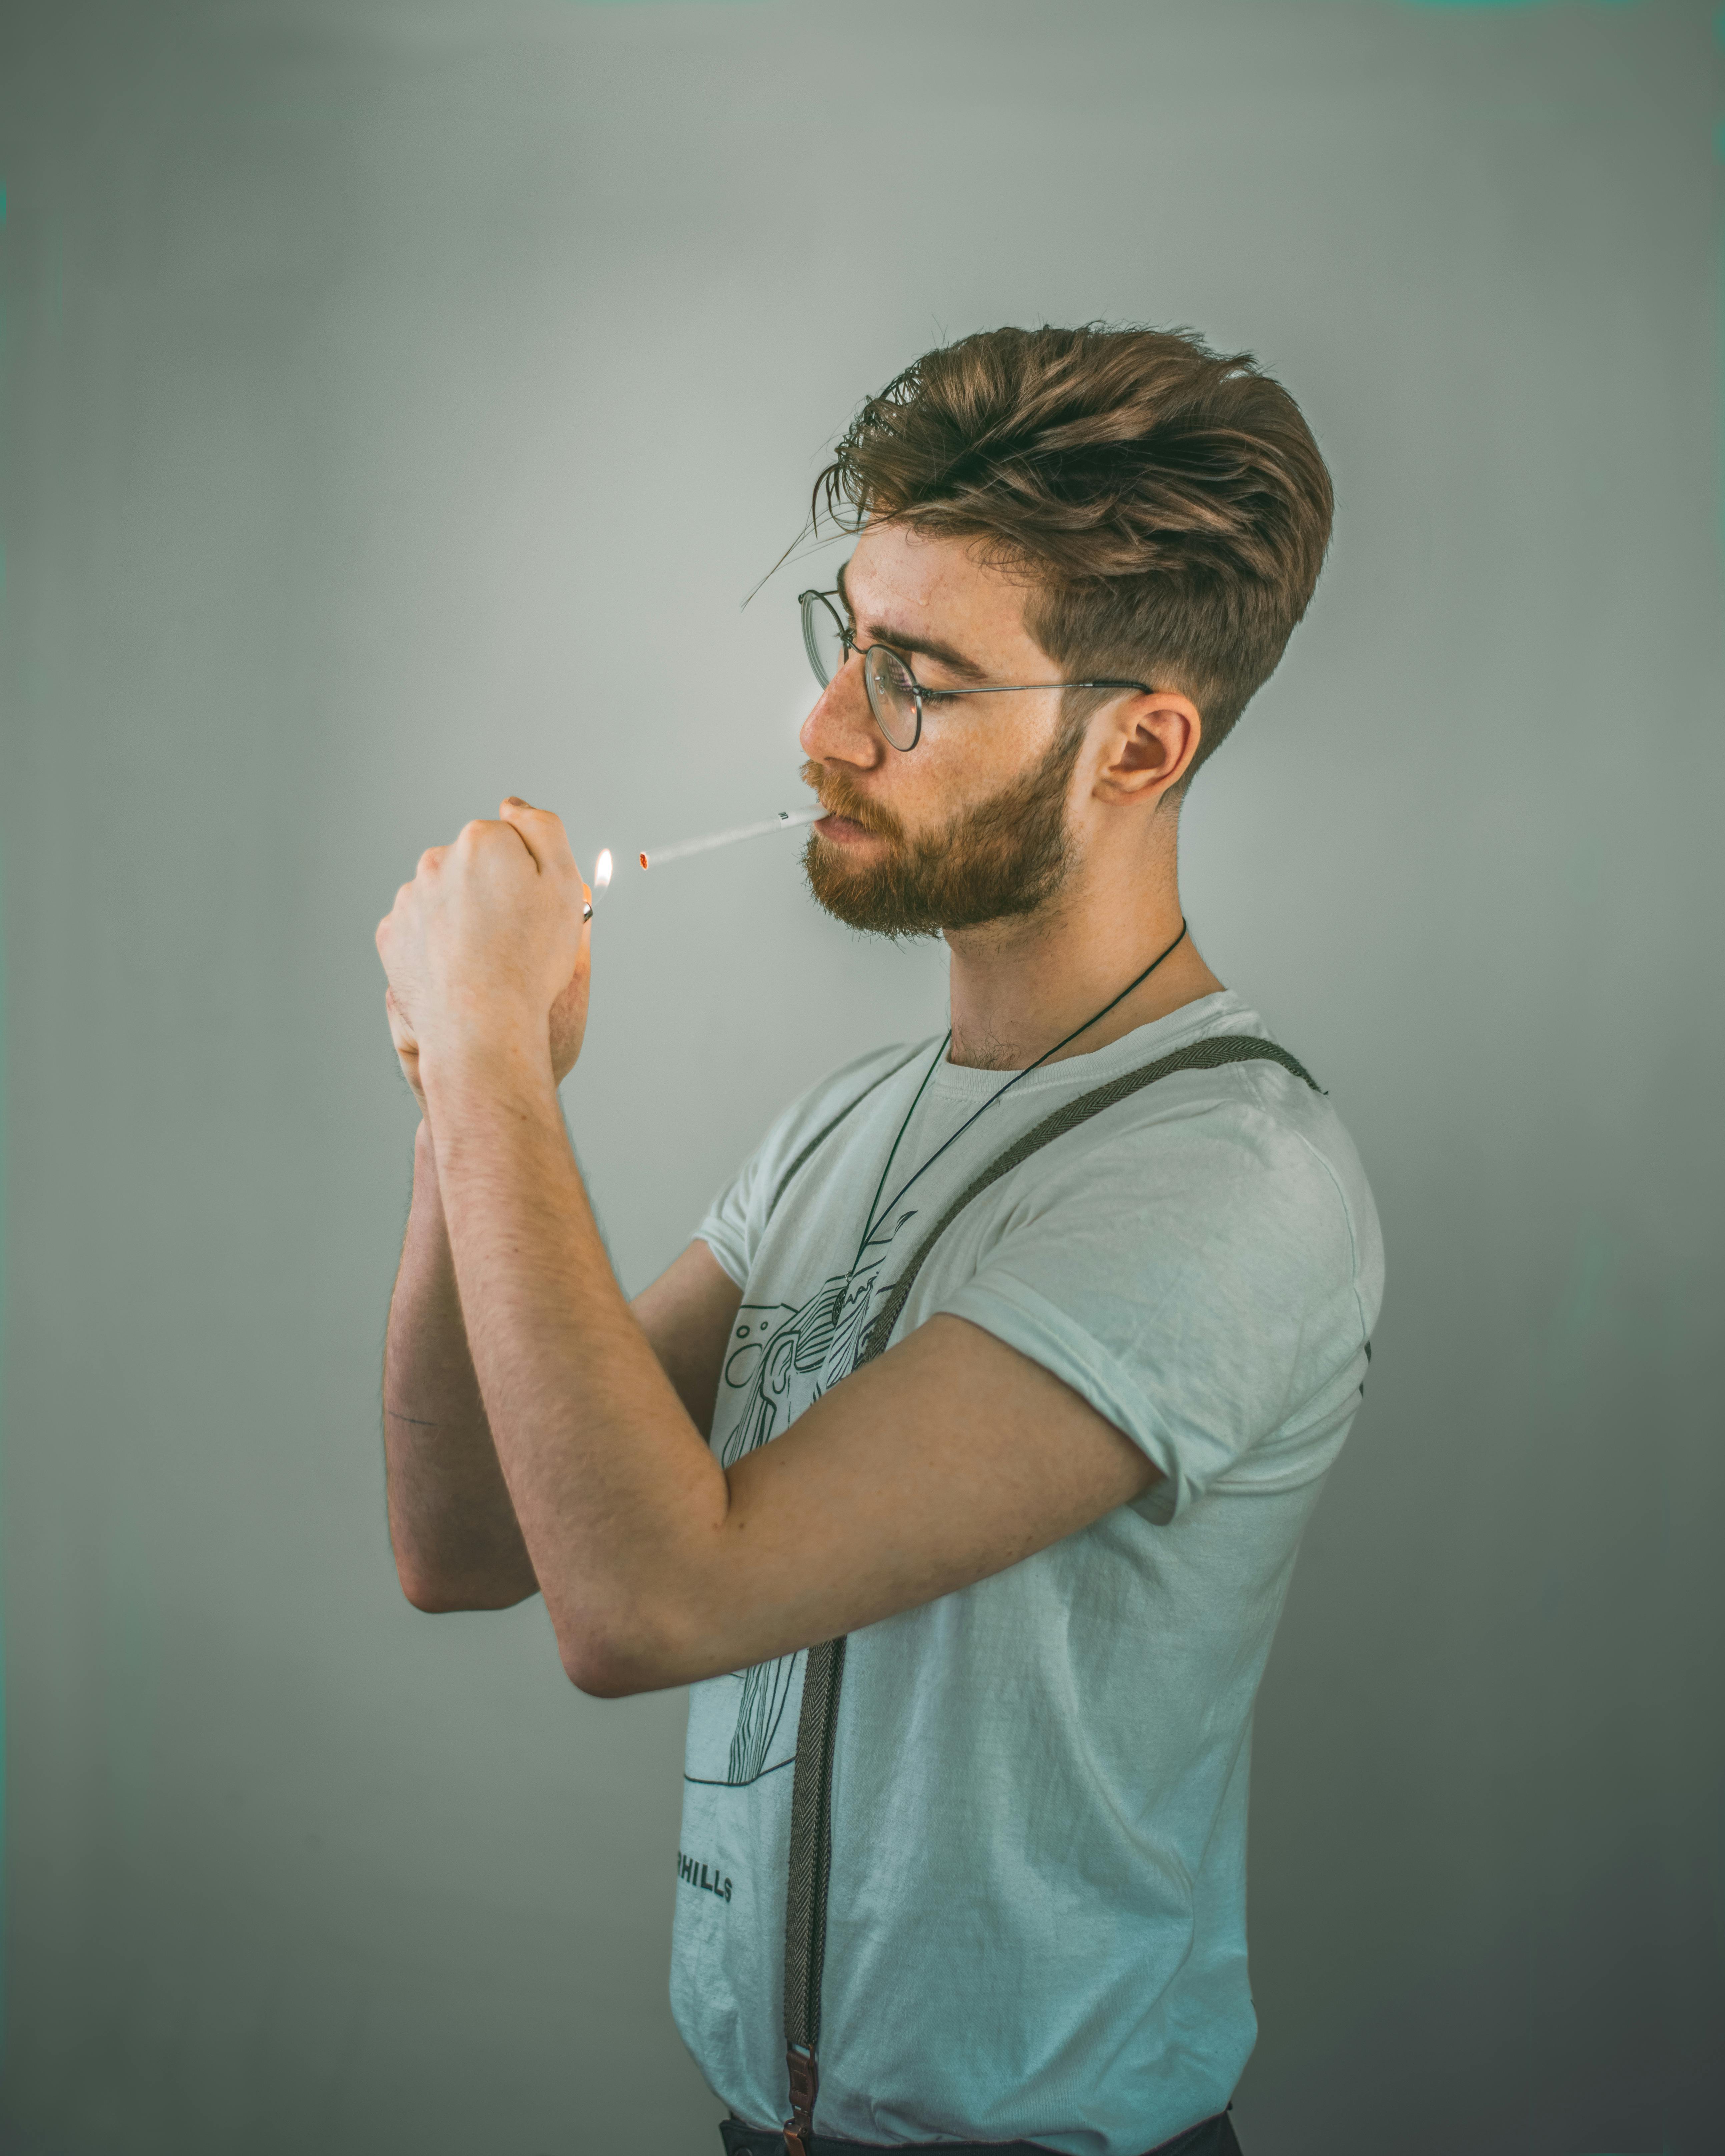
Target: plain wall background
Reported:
point(399, 401)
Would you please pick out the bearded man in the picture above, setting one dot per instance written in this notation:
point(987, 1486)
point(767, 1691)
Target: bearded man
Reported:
point(959, 1464)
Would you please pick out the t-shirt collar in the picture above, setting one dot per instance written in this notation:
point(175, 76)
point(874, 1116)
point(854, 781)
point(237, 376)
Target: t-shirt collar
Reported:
point(1076, 1073)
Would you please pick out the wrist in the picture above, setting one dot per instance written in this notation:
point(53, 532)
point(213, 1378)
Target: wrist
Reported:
point(475, 1032)
point(482, 1068)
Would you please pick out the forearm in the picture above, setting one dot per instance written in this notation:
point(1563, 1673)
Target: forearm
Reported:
point(452, 1526)
point(616, 1492)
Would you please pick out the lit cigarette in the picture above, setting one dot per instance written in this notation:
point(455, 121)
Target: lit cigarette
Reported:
point(601, 877)
point(785, 820)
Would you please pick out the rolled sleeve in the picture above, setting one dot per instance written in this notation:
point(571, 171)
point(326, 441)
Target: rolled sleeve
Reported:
point(1195, 1309)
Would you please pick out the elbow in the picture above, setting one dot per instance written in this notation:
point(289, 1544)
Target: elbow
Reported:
point(615, 1664)
point(597, 1676)
point(440, 1597)
point(434, 1600)
point(602, 1673)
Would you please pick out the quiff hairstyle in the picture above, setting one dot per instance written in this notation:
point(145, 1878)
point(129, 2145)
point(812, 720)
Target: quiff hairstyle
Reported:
point(1167, 503)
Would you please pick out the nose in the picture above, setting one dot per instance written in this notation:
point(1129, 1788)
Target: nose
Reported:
point(841, 728)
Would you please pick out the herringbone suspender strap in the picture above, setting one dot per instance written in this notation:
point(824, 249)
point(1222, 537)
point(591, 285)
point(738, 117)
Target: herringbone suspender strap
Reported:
point(823, 1666)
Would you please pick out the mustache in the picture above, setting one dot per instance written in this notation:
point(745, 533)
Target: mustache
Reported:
point(840, 797)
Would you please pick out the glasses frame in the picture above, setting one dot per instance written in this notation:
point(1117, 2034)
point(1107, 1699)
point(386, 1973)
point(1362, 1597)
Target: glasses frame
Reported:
point(876, 690)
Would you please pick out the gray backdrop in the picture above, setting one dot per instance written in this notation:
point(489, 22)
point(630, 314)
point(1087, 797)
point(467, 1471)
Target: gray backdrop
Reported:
point(399, 401)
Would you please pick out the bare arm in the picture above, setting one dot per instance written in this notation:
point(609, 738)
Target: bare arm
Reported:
point(452, 1523)
point(950, 1458)
point(687, 1315)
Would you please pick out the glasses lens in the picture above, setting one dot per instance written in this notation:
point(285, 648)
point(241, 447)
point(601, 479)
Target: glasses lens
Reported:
point(892, 697)
point(823, 637)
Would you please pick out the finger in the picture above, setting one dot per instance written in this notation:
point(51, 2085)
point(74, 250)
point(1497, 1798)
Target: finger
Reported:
point(387, 924)
point(401, 1031)
point(486, 831)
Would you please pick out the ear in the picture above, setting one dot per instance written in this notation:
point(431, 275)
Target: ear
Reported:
point(1147, 746)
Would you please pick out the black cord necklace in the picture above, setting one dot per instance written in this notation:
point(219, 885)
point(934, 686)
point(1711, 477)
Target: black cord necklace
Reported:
point(876, 1217)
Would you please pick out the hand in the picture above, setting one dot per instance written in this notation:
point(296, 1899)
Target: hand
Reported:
point(487, 943)
point(568, 1024)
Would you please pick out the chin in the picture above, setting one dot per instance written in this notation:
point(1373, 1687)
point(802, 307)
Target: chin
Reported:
point(906, 899)
point(868, 899)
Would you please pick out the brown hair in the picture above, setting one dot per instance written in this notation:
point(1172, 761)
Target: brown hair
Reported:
point(1167, 501)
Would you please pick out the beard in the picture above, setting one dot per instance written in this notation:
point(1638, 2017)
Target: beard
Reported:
point(1003, 856)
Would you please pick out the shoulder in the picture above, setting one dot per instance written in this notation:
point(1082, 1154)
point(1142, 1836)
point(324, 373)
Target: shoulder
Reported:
point(1223, 1078)
point(740, 1211)
point(1197, 1257)
point(833, 1099)
point(1215, 1150)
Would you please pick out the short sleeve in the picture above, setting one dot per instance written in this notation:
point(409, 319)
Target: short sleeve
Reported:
point(724, 1225)
point(1197, 1282)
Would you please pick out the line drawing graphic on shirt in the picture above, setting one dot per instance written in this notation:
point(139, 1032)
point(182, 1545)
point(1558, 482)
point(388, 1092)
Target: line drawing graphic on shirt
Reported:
point(783, 1357)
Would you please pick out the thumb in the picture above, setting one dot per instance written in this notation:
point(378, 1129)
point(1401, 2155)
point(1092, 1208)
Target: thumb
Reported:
point(540, 831)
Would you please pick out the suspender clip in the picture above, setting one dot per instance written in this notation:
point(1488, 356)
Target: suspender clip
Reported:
point(805, 2080)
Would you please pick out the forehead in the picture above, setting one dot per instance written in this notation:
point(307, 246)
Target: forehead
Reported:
point(915, 580)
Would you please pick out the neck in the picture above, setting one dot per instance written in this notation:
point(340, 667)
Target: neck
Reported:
point(1019, 986)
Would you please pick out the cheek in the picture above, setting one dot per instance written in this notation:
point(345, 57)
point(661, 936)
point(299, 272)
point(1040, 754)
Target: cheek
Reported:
point(926, 787)
point(977, 759)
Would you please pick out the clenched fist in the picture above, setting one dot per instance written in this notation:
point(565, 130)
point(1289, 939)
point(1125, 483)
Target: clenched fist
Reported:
point(486, 945)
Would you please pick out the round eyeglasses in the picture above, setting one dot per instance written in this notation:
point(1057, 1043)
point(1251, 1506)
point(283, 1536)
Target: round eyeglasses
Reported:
point(897, 699)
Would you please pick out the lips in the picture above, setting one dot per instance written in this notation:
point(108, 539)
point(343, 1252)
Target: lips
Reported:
point(850, 824)
point(845, 815)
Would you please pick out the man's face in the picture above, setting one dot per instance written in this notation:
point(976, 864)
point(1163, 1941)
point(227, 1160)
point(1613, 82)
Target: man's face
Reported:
point(972, 825)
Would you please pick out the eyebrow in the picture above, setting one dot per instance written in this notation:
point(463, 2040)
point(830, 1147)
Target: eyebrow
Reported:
point(929, 647)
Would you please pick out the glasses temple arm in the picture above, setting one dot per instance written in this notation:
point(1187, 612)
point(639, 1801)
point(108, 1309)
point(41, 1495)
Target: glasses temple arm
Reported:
point(1017, 688)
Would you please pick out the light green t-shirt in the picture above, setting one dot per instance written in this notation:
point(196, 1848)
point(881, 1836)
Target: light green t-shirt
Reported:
point(1036, 1914)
